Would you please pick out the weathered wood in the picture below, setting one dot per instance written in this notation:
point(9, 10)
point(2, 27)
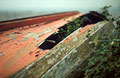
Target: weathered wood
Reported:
point(19, 47)
point(66, 55)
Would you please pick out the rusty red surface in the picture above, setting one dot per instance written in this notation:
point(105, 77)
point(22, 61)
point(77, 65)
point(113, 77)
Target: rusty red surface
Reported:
point(19, 46)
point(34, 20)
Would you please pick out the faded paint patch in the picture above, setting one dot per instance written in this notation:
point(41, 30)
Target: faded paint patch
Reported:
point(33, 35)
point(57, 56)
point(59, 53)
point(11, 35)
point(63, 49)
point(25, 39)
point(48, 55)
point(75, 39)
point(50, 61)
point(54, 51)
point(74, 51)
point(47, 30)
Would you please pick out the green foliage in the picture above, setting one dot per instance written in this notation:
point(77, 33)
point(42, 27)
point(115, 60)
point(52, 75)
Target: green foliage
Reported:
point(106, 54)
point(69, 28)
point(105, 11)
point(105, 61)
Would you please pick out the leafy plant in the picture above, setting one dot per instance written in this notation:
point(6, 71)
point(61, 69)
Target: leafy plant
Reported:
point(105, 63)
point(107, 53)
point(69, 28)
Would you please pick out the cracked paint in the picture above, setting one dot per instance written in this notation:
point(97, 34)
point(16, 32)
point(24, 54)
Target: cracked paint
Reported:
point(20, 45)
point(54, 67)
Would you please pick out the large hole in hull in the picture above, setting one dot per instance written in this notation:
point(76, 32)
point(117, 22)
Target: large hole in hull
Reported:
point(90, 18)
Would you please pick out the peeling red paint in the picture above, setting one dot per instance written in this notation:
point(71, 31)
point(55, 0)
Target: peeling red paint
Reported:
point(34, 20)
point(20, 45)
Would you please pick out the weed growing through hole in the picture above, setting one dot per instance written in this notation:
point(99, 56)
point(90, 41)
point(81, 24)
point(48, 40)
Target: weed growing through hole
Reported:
point(107, 53)
point(69, 28)
point(90, 18)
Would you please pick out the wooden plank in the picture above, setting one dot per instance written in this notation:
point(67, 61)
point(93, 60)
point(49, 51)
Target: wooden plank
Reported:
point(66, 55)
point(19, 46)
